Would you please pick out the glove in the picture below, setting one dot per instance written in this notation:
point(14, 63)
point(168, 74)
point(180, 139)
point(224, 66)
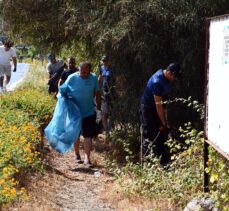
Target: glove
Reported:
point(15, 69)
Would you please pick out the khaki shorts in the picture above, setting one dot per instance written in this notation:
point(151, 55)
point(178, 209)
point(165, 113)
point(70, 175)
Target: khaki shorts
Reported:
point(5, 70)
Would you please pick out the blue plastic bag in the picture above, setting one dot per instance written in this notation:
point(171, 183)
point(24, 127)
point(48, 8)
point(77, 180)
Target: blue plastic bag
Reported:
point(65, 126)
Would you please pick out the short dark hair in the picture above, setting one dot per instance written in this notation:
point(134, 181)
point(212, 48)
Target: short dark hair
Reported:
point(71, 58)
point(87, 63)
point(51, 56)
point(8, 43)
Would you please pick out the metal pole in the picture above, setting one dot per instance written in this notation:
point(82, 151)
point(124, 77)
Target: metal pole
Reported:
point(206, 175)
point(141, 147)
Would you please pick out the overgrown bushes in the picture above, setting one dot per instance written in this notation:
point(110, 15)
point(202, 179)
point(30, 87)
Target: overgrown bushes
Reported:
point(182, 179)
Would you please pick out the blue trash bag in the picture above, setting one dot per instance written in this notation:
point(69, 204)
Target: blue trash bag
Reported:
point(65, 126)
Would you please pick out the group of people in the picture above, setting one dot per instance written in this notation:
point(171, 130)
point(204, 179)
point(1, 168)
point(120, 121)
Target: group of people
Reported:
point(92, 90)
point(7, 54)
point(87, 95)
point(152, 112)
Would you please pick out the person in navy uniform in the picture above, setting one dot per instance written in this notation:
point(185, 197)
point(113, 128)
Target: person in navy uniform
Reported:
point(106, 81)
point(152, 111)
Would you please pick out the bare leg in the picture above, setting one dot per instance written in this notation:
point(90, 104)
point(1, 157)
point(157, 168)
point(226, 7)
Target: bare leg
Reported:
point(7, 79)
point(105, 121)
point(87, 149)
point(77, 149)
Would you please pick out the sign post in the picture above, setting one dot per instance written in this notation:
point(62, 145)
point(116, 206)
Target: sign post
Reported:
point(216, 88)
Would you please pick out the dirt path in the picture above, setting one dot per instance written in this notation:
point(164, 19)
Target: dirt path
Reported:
point(67, 186)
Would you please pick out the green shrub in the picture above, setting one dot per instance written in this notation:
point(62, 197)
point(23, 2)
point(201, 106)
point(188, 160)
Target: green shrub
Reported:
point(36, 103)
point(182, 179)
point(19, 138)
point(24, 114)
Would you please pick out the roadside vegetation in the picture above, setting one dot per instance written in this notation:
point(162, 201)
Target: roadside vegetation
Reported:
point(24, 114)
point(140, 37)
point(180, 181)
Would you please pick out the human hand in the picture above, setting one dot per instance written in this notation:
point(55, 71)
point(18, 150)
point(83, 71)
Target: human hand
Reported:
point(15, 69)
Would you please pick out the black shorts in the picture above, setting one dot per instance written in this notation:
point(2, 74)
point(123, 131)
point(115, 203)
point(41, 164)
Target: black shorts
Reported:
point(89, 126)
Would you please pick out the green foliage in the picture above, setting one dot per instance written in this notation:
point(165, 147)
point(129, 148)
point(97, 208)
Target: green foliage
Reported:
point(179, 182)
point(20, 138)
point(140, 37)
point(182, 179)
point(218, 168)
point(24, 114)
point(125, 143)
point(35, 103)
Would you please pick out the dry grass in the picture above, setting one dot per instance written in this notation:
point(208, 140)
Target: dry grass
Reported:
point(36, 77)
point(114, 194)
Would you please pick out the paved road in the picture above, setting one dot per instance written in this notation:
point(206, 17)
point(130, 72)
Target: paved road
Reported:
point(17, 77)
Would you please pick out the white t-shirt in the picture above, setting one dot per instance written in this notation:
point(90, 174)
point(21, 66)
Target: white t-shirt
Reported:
point(5, 56)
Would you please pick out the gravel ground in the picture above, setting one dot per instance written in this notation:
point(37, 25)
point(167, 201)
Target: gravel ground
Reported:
point(65, 186)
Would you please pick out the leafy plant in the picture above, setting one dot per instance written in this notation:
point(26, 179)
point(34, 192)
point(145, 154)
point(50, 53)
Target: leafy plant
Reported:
point(182, 179)
point(24, 114)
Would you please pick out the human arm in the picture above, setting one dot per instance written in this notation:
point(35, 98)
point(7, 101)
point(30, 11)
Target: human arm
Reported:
point(14, 58)
point(100, 79)
point(63, 78)
point(15, 63)
point(98, 100)
point(160, 110)
point(60, 82)
point(97, 94)
point(49, 70)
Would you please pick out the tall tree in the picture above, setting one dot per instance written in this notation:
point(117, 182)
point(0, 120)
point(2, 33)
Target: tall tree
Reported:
point(140, 36)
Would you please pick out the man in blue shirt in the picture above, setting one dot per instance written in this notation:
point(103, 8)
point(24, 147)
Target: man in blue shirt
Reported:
point(106, 81)
point(152, 112)
point(83, 87)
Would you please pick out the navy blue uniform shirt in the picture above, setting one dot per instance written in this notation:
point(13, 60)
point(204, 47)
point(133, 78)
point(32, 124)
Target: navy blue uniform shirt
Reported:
point(157, 85)
point(66, 73)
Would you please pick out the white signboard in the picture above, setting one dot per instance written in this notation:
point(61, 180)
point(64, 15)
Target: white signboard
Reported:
point(217, 101)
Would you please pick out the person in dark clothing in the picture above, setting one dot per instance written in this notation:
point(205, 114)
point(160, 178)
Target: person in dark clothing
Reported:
point(71, 69)
point(152, 111)
point(55, 68)
point(106, 81)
